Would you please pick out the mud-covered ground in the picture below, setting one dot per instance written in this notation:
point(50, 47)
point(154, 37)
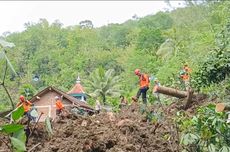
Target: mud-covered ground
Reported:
point(108, 132)
point(127, 131)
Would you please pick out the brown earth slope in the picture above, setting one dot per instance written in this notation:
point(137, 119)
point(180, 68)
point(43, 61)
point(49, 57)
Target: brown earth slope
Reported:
point(127, 131)
point(107, 132)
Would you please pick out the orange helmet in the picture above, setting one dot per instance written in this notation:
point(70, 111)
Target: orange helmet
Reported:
point(22, 98)
point(137, 71)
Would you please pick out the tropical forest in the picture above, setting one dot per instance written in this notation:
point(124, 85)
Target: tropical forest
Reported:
point(111, 63)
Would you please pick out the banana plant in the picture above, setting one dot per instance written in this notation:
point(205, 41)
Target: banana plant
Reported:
point(15, 131)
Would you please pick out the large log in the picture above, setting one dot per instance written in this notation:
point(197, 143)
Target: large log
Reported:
point(190, 98)
point(172, 92)
point(188, 95)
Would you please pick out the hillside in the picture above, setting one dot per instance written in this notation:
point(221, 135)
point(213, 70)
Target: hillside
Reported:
point(105, 59)
point(158, 45)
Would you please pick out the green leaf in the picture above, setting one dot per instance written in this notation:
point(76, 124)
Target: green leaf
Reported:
point(18, 113)
point(11, 128)
point(225, 149)
point(189, 139)
point(186, 140)
point(20, 134)
point(211, 148)
point(214, 122)
point(18, 145)
point(48, 126)
point(193, 137)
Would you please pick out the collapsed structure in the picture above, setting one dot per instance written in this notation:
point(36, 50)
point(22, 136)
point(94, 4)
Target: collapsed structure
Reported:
point(44, 101)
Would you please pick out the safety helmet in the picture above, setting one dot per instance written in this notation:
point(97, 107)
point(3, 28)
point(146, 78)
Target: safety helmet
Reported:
point(137, 71)
point(22, 98)
point(56, 97)
point(186, 69)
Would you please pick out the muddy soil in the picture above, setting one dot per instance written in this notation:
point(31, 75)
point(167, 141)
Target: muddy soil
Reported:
point(127, 131)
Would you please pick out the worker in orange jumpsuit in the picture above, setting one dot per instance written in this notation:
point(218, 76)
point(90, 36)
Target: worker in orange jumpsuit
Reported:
point(185, 75)
point(144, 85)
point(26, 106)
point(59, 106)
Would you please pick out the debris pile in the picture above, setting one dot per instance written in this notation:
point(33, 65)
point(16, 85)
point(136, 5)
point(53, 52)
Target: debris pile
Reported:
point(108, 132)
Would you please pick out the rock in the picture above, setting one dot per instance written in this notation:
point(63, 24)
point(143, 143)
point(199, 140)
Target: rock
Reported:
point(111, 116)
point(84, 123)
point(130, 147)
point(54, 148)
point(122, 122)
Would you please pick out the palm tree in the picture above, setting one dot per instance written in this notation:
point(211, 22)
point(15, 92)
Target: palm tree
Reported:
point(104, 83)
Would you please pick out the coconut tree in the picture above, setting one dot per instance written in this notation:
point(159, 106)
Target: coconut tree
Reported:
point(104, 83)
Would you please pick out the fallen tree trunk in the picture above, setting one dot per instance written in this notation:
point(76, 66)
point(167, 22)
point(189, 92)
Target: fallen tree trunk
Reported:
point(190, 97)
point(173, 92)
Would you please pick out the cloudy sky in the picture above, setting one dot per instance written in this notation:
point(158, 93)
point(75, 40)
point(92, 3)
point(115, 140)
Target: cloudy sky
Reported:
point(14, 14)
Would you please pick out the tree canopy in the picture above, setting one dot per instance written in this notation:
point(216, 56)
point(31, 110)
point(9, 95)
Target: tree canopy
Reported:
point(157, 44)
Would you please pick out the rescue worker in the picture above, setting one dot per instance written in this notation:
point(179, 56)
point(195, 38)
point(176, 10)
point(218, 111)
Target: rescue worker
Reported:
point(59, 106)
point(26, 106)
point(156, 85)
point(123, 102)
point(185, 75)
point(144, 85)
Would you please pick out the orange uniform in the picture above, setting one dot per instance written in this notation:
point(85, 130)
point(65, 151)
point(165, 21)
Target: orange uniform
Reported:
point(59, 105)
point(144, 85)
point(26, 105)
point(186, 76)
point(144, 80)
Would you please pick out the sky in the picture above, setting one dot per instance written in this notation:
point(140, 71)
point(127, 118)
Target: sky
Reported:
point(14, 14)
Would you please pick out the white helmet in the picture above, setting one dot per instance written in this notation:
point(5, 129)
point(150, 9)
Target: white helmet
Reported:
point(56, 97)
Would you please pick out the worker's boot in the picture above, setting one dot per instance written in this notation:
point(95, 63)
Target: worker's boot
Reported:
point(27, 132)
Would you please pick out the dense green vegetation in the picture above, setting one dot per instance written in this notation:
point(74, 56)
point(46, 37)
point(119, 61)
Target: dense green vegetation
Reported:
point(15, 131)
point(204, 132)
point(106, 57)
point(157, 44)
